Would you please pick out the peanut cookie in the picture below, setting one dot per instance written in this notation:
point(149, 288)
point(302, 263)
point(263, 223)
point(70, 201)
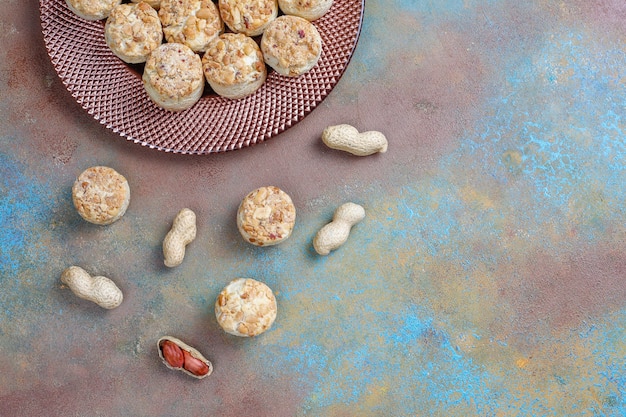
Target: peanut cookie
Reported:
point(245, 307)
point(132, 31)
point(173, 77)
point(291, 45)
point(194, 23)
point(266, 216)
point(249, 17)
point(101, 195)
point(233, 65)
point(92, 9)
point(307, 9)
point(156, 4)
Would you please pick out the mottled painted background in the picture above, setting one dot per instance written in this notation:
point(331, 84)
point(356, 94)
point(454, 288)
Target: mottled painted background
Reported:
point(488, 278)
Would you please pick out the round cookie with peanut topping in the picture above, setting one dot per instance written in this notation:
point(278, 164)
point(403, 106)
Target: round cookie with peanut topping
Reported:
point(194, 23)
point(266, 216)
point(156, 4)
point(92, 9)
point(249, 17)
point(132, 31)
point(291, 45)
point(233, 65)
point(307, 9)
point(101, 195)
point(173, 77)
point(246, 307)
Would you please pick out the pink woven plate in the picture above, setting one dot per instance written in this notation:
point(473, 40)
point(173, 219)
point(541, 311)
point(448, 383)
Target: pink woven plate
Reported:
point(112, 91)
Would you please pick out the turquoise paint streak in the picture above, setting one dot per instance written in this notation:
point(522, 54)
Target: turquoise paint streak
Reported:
point(604, 338)
point(374, 42)
point(565, 117)
point(548, 112)
point(350, 372)
point(23, 202)
point(439, 7)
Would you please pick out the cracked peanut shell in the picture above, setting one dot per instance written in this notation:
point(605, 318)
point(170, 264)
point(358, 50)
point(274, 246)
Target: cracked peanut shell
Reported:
point(190, 350)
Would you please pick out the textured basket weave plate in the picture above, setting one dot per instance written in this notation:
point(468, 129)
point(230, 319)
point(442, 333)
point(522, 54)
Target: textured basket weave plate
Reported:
point(112, 91)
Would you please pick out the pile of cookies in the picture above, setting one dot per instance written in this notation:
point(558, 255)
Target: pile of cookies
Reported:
point(185, 44)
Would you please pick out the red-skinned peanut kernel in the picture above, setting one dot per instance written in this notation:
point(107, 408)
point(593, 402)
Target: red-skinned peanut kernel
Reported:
point(195, 366)
point(174, 355)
